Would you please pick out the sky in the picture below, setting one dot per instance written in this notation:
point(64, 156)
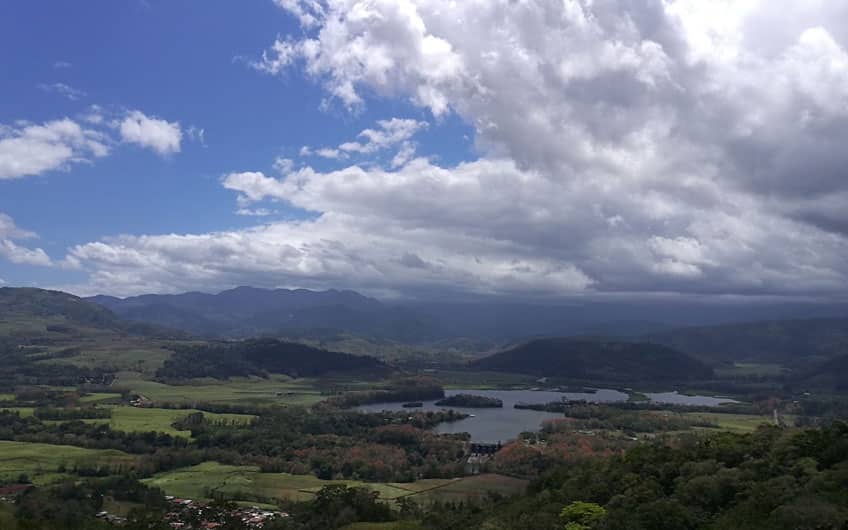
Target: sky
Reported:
point(419, 148)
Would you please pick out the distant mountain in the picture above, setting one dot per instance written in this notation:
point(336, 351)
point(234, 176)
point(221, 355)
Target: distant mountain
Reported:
point(38, 313)
point(602, 361)
point(777, 341)
point(249, 311)
point(260, 357)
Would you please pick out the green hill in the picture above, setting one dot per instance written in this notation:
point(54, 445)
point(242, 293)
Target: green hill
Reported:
point(831, 375)
point(44, 316)
point(263, 357)
point(602, 361)
point(776, 341)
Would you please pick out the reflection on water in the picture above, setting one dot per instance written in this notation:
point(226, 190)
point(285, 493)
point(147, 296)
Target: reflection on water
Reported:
point(503, 424)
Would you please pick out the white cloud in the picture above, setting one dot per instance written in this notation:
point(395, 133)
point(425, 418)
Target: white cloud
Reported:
point(30, 149)
point(63, 90)
point(162, 136)
point(388, 134)
point(14, 252)
point(658, 146)
point(62, 64)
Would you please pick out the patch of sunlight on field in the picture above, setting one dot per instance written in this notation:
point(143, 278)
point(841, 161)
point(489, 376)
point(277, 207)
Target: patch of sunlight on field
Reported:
point(138, 419)
point(739, 423)
point(41, 461)
point(238, 391)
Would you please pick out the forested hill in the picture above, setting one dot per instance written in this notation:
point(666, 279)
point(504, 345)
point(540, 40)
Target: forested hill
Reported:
point(249, 311)
point(781, 341)
point(831, 375)
point(38, 313)
point(596, 361)
point(263, 357)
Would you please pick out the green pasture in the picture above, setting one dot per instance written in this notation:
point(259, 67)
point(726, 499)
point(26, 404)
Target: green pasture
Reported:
point(99, 397)
point(247, 483)
point(237, 391)
point(751, 370)
point(41, 461)
point(138, 419)
point(739, 423)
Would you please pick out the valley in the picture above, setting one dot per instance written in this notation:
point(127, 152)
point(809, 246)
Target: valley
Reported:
point(85, 396)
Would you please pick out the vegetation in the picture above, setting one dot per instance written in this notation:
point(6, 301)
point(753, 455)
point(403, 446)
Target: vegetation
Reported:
point(261, 357)
point(597, 361)
point(777, 341)
point(470, 400)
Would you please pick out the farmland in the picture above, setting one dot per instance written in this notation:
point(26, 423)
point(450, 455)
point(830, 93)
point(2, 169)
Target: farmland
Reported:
point(247, 483)
point(41, 461)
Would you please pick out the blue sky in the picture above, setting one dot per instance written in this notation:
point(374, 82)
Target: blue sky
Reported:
point(407, 148)
point(182, 62)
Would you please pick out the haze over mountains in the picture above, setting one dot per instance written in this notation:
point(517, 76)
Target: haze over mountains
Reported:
point(249, 311)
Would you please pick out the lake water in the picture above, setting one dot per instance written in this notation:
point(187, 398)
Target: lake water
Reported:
point(491, 425)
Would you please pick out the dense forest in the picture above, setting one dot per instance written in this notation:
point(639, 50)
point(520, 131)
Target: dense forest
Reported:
point(596, 360)
point(772, 479)
point(262, 357)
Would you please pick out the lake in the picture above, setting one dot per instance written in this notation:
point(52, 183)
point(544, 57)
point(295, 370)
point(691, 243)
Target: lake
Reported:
point(503, 424)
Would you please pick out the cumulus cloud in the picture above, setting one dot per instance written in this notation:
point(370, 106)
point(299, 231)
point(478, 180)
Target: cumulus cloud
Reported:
point(652, 146)
point(162, 136)
point(15, 253)
point(31, 149)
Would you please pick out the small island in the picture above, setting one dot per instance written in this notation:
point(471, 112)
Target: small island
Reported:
point(471, 401)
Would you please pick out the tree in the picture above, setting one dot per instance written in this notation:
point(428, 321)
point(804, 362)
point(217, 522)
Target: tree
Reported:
point(582, 515)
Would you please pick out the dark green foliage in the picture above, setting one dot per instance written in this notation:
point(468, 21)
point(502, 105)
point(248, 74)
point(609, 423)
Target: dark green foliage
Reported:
point(597, 361)
point(771, 479)
point(831, 375)
point(396, 390)
point(470, 400)
point(262, 357)
point(781, 341)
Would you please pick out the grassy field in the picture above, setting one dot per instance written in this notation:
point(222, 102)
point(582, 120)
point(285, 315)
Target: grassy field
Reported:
point(134, 419)
point(247, 483)
point(7, 517)
point(24, 412)
point(99, 397)
point(41, 461)
point(739, 423)
point(482, 380)
point(277, 390)
point(124, 354)
point(751, 369)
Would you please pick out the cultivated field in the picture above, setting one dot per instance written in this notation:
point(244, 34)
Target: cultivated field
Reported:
point(277, 390)
point(247, 483)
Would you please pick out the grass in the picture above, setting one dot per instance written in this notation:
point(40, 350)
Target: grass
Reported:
point(7, 517)
point(451, 379)
point(247, 483)
point(116, 356)
point(24, 412)
point(243, 391)
point(752, 370)
point(474, 487)
point(41, 461)
point(739, 423)
point(136, 419)
point(99, 397)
